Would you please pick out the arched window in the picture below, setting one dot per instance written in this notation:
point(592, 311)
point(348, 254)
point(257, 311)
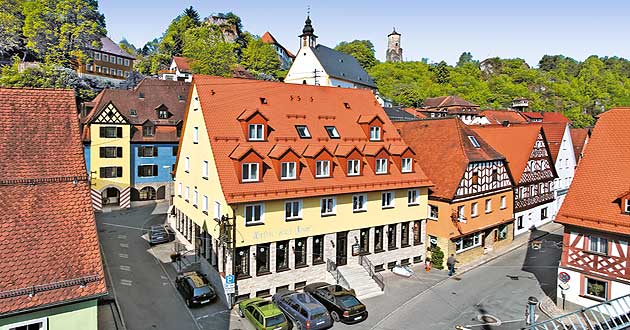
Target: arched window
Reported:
point(147, 193)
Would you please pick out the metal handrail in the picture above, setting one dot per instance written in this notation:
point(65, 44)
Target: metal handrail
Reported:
point(331, 266)
point(610, 315)
point(377, 277)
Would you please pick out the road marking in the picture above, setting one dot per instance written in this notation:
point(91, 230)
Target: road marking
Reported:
point(123, 226)
point(122, 236)
point(163, 277)
point(126, 282)
point(124, 245)
point(214, 314)
point(125, 268)
point(123, 255)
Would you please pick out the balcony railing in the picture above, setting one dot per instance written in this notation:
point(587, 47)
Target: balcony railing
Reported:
point(377, 277)
point(331, 266)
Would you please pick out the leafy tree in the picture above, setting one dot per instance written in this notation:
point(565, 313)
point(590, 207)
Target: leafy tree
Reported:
point(442, 74)
point(361, 50)
point(61, 30)
point(193, 14)
point(259, 57)
point(150, 47)
point(464, 58)
point(11, 23)
point(128, 47)
point(172, 42)
point(209, 52)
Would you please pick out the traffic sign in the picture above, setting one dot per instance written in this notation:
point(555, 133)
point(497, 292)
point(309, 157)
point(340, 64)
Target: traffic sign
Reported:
point(229, 279)
point(564, 277)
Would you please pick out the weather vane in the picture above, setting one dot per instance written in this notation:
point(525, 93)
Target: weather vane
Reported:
point(308, 10)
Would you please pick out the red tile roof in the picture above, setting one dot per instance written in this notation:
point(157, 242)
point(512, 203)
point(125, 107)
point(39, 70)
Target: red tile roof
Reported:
point(532, 115)
point(47, 230)
point(444, 151)
point(447, 101)
point(554, 117)
point(554, 132)
point(182, 63)
point(515, 142)
point(269, 39)
point(579, 136)
point(501, 116)
point(288, 105)
point(601, 177)
point(172, 94)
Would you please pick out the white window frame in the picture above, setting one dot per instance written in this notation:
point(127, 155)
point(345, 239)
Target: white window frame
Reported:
point(388, 203)
point(249, 167)
point(292, 204)
point(319, 169)
point(503, 202)
point(407, 165)
point(97, 56)
point(627, 206)
point(217, 210)
point(437, 212)
point(255, 137)
point(324, 202)
point(43, 321)
point(375, 133)
point(360, 197)
point(180, 188)
point(461, 211)
point(459, 242)
point(105, 58)
point(119, 61)
point(488, 204)
point(585, 293)
point(120, 72)
point(474, 142)
point(598, 245)
point(205, 169)
point(381, 165)
point(253, 206)
point(187, 164)
point(413, 197)
point(352, 165)
point(285, 171)
point(126, 62)
point(195, 197)
point(195, 135)
point(204, 204)
point(474, 209)
point(187, 193)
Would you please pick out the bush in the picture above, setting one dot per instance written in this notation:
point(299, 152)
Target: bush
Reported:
point(437, 257)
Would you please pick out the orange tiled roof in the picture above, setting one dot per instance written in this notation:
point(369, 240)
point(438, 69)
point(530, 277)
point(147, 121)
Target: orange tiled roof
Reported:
point(501, 116)
point(47, 231)
point(601, 177)
point(579, 137)
point(447, 101)
point(554, 132)
point(288, 105)
point(443, 150)
point(269, 39)
point(532, 115)
point(555, 117)
point(183, 63)
point(515, 142)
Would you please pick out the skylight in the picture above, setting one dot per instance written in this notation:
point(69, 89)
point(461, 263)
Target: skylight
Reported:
point(303, 131)
point(332, 132)
point(474, 141)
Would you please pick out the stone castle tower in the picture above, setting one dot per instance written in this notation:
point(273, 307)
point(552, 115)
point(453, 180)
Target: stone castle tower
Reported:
point(394, 52)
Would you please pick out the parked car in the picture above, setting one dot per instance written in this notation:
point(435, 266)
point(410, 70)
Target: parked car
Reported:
point(304, 311)
point(161, 234)
point(263, 314)
point(195, 288)
point(342, 303)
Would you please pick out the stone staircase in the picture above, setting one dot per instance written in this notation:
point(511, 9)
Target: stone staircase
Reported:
point(359, 280)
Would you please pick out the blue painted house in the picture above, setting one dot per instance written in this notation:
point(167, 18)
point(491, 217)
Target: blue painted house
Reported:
point(136, 163)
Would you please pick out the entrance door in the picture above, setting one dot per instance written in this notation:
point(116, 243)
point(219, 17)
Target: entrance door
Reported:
point(111, 196)
point(342, 248)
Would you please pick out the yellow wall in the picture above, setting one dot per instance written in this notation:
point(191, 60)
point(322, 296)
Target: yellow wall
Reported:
point(198, 153)
point(96, 162)
point(277, 228)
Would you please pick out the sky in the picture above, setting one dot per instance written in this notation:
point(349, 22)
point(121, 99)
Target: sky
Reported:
point(437, 30)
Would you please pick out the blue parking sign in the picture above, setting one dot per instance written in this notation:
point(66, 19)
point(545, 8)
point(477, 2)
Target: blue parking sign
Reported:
point(229, 279)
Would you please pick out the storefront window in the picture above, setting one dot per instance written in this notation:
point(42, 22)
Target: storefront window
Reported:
point(262, 259)
point(378, 239)
point(300, 252)
point(364, 241)
point(404, 234)
point(391, 237)
point(468, 242)
point(318, 249)
point(282, 255)
point(242, 262)
point(503, 232)
point(417, 233)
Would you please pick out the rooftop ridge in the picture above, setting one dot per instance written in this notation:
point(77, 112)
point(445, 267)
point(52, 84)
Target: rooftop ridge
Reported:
point(34, 181)
point(31, 291)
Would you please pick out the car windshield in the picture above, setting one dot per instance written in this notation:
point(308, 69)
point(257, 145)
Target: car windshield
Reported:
point(274, 320)
point(202, 290)
point(318, 314)
point(348, 301)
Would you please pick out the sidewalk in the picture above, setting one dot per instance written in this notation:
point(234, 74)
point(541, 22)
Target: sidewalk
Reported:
point(518, 242)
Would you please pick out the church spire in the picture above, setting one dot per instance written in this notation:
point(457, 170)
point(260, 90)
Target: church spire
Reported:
point(308, 37)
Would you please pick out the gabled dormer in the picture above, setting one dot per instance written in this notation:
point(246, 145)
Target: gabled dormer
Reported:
point(148, 129)
point(161, 112)
point(286, 162)
point(403, 158)
point(378, 158)
point(372, 126)
point(320, 161)
point(109, 114)
point(248, 164)
point(255, 125)
point(624, 202)
point(350, 159)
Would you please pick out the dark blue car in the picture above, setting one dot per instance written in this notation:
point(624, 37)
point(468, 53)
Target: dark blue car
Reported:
point(304, 311)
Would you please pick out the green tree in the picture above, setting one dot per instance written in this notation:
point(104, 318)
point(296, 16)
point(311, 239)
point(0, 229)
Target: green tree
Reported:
point(437, 257)
point(172, 43)
point(193, 14)
point(210, 53)
point(361, 50)
point(60, 31)
point(259, 57)
point(11, 23)
point(464, 58)
point(128, 47)
point(442, 73)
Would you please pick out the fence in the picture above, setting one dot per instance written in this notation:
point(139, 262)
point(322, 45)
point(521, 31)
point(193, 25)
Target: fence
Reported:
point(610, 315)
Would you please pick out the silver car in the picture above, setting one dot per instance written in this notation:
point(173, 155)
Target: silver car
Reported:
point(303, 310)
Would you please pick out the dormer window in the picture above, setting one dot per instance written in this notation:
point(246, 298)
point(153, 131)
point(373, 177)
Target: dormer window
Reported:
point(163, 114)
point(332, 132)
point(141, 95)
point(354, 167)
point(474, 141)
point(288, 171)
point(407, 165)
point(626, 205)
point(148, 130)
point(381, 166)
point(322, 169)
point(133, 112)
point(375, 133)
point(256, 132)
point(250, 172)
point(303, 131)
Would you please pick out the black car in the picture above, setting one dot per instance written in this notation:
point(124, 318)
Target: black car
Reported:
point(161, 234)
point(342, 304)
point(195, 288)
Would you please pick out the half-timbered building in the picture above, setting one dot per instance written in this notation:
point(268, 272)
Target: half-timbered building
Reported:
point(595, 264)
point(531, 167)
point(470, 206)
point(558, 136)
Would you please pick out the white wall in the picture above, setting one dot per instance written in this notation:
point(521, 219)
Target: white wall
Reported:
point(303, 68)
point(531, 217)
point(565, 166)
point(572, 295)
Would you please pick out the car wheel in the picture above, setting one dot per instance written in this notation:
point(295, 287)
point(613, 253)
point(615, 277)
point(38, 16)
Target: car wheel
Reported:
point(240, 312)
point(299, 325)
point(334, 316)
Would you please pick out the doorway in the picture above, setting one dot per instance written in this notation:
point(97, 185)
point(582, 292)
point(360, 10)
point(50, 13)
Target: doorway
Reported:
point(111, 196)
point(342, 248)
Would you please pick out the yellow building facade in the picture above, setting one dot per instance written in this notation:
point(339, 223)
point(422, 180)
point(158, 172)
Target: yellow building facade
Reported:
point(286, 238)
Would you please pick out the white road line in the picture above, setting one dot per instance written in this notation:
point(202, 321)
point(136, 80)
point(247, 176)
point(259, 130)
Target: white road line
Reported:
point(123, 255)
point(126, 282)
point(122, 236)
point(123, 226)
point(125, 268)
point(124, 245)
point(214, 314)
